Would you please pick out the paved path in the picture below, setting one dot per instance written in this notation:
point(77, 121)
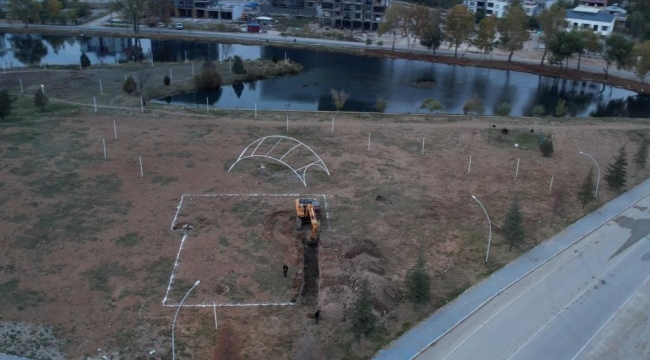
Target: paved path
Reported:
point(475, 316)
point(11, 357)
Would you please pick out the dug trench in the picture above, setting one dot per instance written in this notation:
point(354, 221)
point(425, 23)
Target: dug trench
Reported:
point(279, 227)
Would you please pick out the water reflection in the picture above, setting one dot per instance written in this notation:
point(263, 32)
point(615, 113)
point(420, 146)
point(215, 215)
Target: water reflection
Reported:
point(404, 84)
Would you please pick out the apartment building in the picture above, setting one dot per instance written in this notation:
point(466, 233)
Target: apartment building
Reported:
point(500, 7)
point(208, 9)
point(590, 17)
point(353, 14)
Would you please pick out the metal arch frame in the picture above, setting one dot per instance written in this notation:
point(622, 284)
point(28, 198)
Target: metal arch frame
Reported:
point(320, 163)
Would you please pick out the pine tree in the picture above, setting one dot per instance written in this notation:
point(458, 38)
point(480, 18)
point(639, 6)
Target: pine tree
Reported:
point(40, 100)
point(641, 156)
point(85, 61)
point(5, 104)
point(586, 190)
point(418, 283)
point(238, 65)
point(546, 147)
point(363, 320)
point(513, 228)
point(129, 85)
point(616, 173)
point(560, 108)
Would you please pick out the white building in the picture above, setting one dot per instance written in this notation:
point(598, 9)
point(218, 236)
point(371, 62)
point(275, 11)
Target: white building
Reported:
point(496, 7)
point(589, 17)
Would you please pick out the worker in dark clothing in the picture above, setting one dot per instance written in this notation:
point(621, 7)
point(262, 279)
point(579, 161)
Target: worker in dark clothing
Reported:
point(285, 269)
point(317, 316)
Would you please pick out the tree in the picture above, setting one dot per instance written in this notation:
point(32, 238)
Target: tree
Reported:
point(641, 60)
point(616, 172)
point(129, 85)
point(84, 60)
point(617, 50)
point(538, 111)
point(133, 10)
point(418, 283)
point(641, 156)
point(577, 44)
point(40, 100)
point(167, 80)
point(209, 78)
point(339, 98)
point(5, 104)
point(512, 227)
point(432, 36)
point(503, 109)
point(459, 24)
point(560, 108)
point(392, 19)
point(52, 9)
point(28, 50)
point(487, 34)
point(558, 196)
point(26, 11)
point(585, 192)
point(546, 147)
point(473, 106)
point(592, 41)
point(380, 105)
point(238, 65)
point(513, 29)
point(551, 21)
point(431, 106)
point(363, 320)
point(564, 44)
point(143, 79)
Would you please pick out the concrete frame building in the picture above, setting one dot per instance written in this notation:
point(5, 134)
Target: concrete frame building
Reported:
point(208, 9)
point(353, 14)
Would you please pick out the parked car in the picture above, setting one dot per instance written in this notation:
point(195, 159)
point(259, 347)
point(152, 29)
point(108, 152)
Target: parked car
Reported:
point(161, 25)
point(179, 26)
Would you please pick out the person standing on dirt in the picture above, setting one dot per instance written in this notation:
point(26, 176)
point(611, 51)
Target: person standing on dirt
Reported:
point(316, 316)
point(285, 269)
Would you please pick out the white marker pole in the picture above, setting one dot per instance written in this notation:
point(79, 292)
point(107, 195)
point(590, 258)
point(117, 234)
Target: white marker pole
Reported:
point(368, 141)
point(469, 167)
point(115, 129)
point(256, 110)
point(551, 186)
point(141, 172)
point(101, 88)
point(517, 171)
point(104, 144)
point(207, 108)
point(422, 145)
point(332, 126)
point(192, 69)
point(287, 122)
point(95, 103)
point(214, 307)
point(152, 59)
point(21, 86)
point(185, 55)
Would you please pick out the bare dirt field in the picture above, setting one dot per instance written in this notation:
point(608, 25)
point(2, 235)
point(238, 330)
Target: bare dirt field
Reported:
point(88, 249)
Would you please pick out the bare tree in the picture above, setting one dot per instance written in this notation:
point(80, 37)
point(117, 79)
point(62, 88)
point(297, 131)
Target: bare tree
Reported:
point(339, 98)
point(558, 197)
point(143, 78)
point(131, 10)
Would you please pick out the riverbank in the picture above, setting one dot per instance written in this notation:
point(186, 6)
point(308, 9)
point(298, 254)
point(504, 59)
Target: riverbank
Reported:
point(520, 65)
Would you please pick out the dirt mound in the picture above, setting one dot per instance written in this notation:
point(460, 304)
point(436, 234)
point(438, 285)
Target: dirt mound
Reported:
point(364, 262)
point(280, 221)
point(356, 247)
point(334, 300)
point(385, 294)
point(228, 343)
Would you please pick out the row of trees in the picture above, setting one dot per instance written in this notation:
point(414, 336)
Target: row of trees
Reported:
point(418, 22)
point(53, 11)
point(6, 102)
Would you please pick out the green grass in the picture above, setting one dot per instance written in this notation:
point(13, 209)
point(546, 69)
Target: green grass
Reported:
point(23, 109)
point(128, 240)
point(164, 181)
point(156, 276)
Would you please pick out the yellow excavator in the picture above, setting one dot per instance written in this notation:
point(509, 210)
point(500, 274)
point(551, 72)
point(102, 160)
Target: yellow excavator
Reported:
point(308, 211)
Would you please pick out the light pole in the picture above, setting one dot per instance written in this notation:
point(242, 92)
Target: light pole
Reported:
point(597, 168)
point(487, 255)
point(43, 89)
point(175, 316)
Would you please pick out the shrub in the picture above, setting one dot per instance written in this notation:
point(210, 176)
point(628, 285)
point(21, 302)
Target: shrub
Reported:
point(363, 320)
point(380, 43)
point(5, 104)
point(167, 80)
point(418, 283)
point(560, 108)
point(368, 41)
point(546, 147)
point(40, 100)
point(503, 109)
point(85, 61)
point(238, 65)
point(129, 85)
point(538, 111)
point(209, 78)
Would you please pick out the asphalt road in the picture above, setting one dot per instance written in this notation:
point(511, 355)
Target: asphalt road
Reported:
point(578, 305)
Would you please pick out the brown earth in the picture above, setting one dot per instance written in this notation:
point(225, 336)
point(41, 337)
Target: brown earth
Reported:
point(89, 250)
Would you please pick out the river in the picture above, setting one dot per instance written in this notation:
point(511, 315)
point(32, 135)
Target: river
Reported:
point(404, 84)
